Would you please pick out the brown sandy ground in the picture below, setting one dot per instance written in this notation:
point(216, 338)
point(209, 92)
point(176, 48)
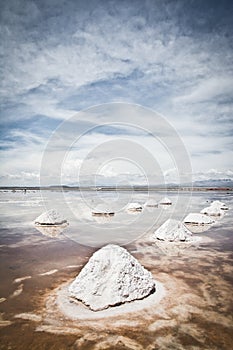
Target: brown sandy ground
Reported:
point(195, 313)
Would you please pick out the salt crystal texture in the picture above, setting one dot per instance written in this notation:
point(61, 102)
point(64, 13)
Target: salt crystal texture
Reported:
point(50, 217)
point(111, 277)
point(166, 201)
point(198, 219)
point(172, 230)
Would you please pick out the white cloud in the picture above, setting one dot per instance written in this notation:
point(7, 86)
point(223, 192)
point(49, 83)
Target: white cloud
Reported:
point(147, 53)
point(214, 174)
point(207, 90)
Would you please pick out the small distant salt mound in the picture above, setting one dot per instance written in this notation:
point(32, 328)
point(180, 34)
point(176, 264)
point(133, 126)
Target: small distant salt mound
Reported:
point(172, 230)
point(111, 277)
point(151, 203)
point(101, 210)
point(165, 201)
point(50, 217)
point(220, 205)
point(213, 210)
point(216, 208)
point(134, 207)
point(198, 219)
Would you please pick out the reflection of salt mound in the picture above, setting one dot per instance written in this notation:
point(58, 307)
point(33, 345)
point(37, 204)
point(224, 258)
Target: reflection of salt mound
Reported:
point(172, 230)
point(151, 203)
point(198, 228)
point(111, 277)
point(213, 210)
point(51, 231)
point(165, 201)
point(198, 219)
point(102, 210)
point(177, 248)
point(103, 218)
point(134, 207)
point(50, 217)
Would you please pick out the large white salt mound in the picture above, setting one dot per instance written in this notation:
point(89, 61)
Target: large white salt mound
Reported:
point(134, 206)
point(198, 219)
point(111, 277)
point(50, 217)
point(166, 201)
point(213, 210)
point(172, 230)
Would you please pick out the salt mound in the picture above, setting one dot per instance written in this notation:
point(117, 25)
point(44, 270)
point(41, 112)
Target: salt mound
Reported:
point(213, 210)
point(151, 203)
point(102, 210)
point(111, 277)
point(216, 208)
point(198, 219)
point(165, 201)
point(172, 230)
point(50, 217)
point(134, 207)
point(220, 205)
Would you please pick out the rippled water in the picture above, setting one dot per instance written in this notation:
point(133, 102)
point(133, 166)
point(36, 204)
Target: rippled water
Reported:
point(195, 314)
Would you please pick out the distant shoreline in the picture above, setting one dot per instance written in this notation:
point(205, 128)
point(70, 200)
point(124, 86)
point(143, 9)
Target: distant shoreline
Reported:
point(122, 189)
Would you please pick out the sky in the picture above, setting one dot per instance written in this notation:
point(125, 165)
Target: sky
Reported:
point(62, 57)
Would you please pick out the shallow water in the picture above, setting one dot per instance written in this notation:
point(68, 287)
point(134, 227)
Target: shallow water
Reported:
point(194, 314)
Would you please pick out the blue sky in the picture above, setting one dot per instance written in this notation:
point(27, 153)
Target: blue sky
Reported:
point(59, 57)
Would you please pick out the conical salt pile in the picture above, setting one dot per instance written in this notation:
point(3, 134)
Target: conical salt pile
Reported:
point(50, 217)
point(165, 201)
point(216, 208)
point(111, 277)
point(101, 209)
point(198, 219)
point(213, 210)
point(134, 207)
point(220, 205)
point(172, 230)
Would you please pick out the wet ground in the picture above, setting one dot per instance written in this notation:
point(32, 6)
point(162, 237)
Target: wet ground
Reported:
point(195, 313)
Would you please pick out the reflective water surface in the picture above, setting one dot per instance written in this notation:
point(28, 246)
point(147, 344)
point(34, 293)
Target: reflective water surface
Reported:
point(195, 313)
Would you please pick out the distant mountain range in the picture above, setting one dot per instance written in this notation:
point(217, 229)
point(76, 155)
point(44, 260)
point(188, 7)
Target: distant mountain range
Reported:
point(214, 183)
point(209, 184)
point(199, 183)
